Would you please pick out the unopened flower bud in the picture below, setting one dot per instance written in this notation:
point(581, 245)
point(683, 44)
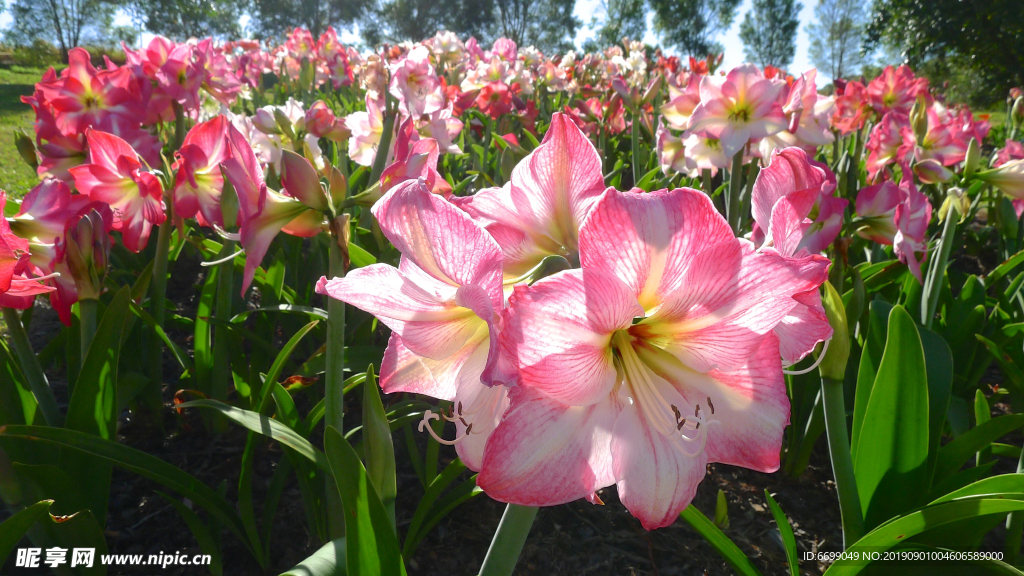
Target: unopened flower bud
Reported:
point(264, 120)
point(27, 148)
point(86, 250)
point(833, 366)
point(284, 123)
point(652, 89)
point(973, 158)
point(931, 171)
point(956, 200)
point(1017, 112)
point(919, 118)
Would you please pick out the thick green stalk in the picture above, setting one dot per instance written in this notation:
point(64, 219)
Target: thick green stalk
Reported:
point(735, 188)
point(179, 125)
point(508, 540)
point(222, 311)
point(32, 370)
point(334, 383)
point(842, 463)
point(638, 171)
point(937, 270)
point(87, 323)
point(158, 293)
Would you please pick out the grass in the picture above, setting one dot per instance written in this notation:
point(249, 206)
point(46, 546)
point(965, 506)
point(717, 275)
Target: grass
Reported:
point(15, 176)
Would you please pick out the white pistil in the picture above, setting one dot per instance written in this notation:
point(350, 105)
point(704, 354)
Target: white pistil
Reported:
point(824, 348)
point(430, 415)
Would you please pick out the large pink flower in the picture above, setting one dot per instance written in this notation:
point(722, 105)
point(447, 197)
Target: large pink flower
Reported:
point(741, 108)
point(198, 180)
point(876, 210)
point(264, 212)
point(652, 360)
point(115, 175)
point(442, 305)
point(415, 84)
point(895, 90)
point(912, 217)
point(886, 144)
point(783, 198)
point(539, 212)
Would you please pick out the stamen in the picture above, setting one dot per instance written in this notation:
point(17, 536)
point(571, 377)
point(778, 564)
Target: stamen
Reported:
point(425, 423)
point(223, 260)
point(711, 405)
point(824, 348)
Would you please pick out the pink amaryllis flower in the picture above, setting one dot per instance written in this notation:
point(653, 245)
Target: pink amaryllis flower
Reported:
point(682, 102)
point(539, 211)
point(17, 288)
point(942, 141)
point(742, 107)
point(671, 152)
point(415, 84)
point(115, 176)
point(83, 97)
point(853, 108)
point(415, 157)
point(784, 196)
point(912, 217)
point(198, 180)
point(265, 212)
point(876, 211)
point(366, 129)
point(322, 123)
point(895, 90)
point(808, 114)
point(665, 359)
point(886, 145)
point(442, 304)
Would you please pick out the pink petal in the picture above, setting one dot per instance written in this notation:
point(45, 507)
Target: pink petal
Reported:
point(648, 240)
point(483, 408)
point(563, 325)
point(789, 170)
point(545, 453)
point(803, 328)
point(440, 239)
point(655, 479)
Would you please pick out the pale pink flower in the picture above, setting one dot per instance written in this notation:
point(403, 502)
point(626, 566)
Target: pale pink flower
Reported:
point(682, 103)
point(808, 114)
point(912, 217)
point(741, 108)
point(671, 152)
point(664, 357)
point(442, 304)
point(539, 211)
point(876, 211)
point(366, 129)
point(415, 84)
point(704, 153)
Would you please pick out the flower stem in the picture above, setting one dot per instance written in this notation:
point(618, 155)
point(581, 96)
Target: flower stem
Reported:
point(87, 323)
point(937, 270)
point(735, 188)
point(637, 169)
point(334, 381)
point(158, 292)
point(842, 463)
point(32, 370)
point(508, 540)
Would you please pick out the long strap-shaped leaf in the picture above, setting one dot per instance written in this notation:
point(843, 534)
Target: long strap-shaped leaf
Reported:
point(142, 464)
point(15, 527)
point(719, 541)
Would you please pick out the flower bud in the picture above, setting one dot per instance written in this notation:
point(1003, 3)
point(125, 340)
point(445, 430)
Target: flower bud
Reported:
point(1008, 178)
point(284, 123)
point(957, 200)
point(27, 148)
point(1017, 112)
point(86, 250)
point(919, 118)
point(652, 89)
point(973, 158)
point(264, 120)
point(931, 171)
point(337, 186)
point(833, 366)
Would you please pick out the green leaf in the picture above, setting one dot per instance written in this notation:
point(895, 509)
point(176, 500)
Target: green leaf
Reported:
point(282, 358)
point(871, 356)
point(434, 489)
point(371, 546)
point(1004, 269)
point(139, 462)
point(329, 560)
point(892, 474)
point(379, 448)
point(939, 365)
point(14, 528)
point(982, 414)
point(262, 424)
point(310, 311)
point(786, 531)
point(903, 528)
point(207, 543)
point(719, 541)
point(954, 455)
point(994, 486)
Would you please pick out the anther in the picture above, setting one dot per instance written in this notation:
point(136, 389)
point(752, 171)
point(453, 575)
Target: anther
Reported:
point(425, 423)
point(681, 424)
point(712, 406)
point(696, 411)
point(697, 427)
point(460, 408)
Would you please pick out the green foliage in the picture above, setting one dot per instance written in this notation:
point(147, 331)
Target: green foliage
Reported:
point(836, 35)
point(691, 26)
point(768, 32)
point(184, 19)
point(977, 46)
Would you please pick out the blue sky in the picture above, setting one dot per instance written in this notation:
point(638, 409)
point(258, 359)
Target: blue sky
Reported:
point(586, 9)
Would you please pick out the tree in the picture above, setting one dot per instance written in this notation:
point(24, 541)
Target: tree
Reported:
point(978, 46)
point(769, 32)
point(622, 19)
point(184, 19)
point(546, 24)
point(65, 23)
point(279, 17)
point(398, 20)
point(692, 25)
point(836, 36)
